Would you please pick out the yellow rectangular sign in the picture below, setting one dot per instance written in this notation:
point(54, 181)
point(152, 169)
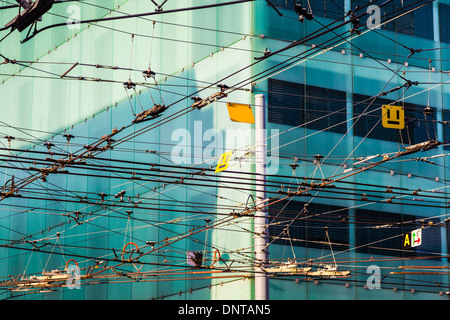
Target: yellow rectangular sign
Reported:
point(393, 117)
point(240, 112)
point(224, 161)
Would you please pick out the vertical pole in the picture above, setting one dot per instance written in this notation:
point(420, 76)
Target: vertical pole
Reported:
point(261, 281)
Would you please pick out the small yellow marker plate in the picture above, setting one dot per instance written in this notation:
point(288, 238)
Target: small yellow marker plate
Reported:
point(224, 161)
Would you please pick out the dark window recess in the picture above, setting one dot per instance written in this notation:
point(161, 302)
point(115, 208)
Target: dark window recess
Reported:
point(328, 9)
point(293, 223)
point(418, 128)
point(369, 123)
point(318, 108)
point(325, 109)
point(446, 117)
point(447, 226)
point(444, 22)
point(285, 102)
point(381, 233)
point(320, 8)
point(416, 23)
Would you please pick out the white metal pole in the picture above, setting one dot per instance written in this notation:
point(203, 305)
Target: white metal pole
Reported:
point(261, 252)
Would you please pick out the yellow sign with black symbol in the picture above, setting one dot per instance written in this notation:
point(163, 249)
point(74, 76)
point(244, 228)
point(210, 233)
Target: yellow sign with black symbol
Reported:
point(224, 161)
point(393, 117)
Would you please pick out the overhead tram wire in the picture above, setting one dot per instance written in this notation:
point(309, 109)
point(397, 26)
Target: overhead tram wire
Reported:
point(150, 85)
point(15, 6)
point(297, 55)
point(324, 30)
point(370, 98)
point(367, 134)
point(335, 43)
point(208, 170)
point(215, 83)
point(352, 194)
point(137, 15)
point(202, 172)
point(160, 123)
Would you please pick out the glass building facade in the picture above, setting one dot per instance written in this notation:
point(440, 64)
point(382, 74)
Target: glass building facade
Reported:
point(141, 198)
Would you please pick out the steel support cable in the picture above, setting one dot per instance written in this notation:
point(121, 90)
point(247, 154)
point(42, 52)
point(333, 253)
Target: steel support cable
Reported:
point(280, 219)
point(98, 66)
point(92, 258)
point(279, 198)
point(335, 189)
point(312, 218)
point(376, 242)
point(35, 161)
point(363, 190)
point(298, 57)
point(88, 240)
point(191, 218)
point(91, 151)
point(131, 177)
point(217, 82)
point(237, 1)
point(12, 186)
point(149, 86)
point(371, 111)
point(15, 6)
point(137, 15)
point(396, 73)
point(303, 58)
point(170, 23)
point(199, 170)
point(341, 282)
point(195, 211)
point(340, 110)
point(168, 242)
point(373, 127)
point(140, 131)
point(388, 69)
point(32, 179)
point(322, 31)
point(368, 202)
point(151, 223)
point(114, 29)
point(330, 46)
